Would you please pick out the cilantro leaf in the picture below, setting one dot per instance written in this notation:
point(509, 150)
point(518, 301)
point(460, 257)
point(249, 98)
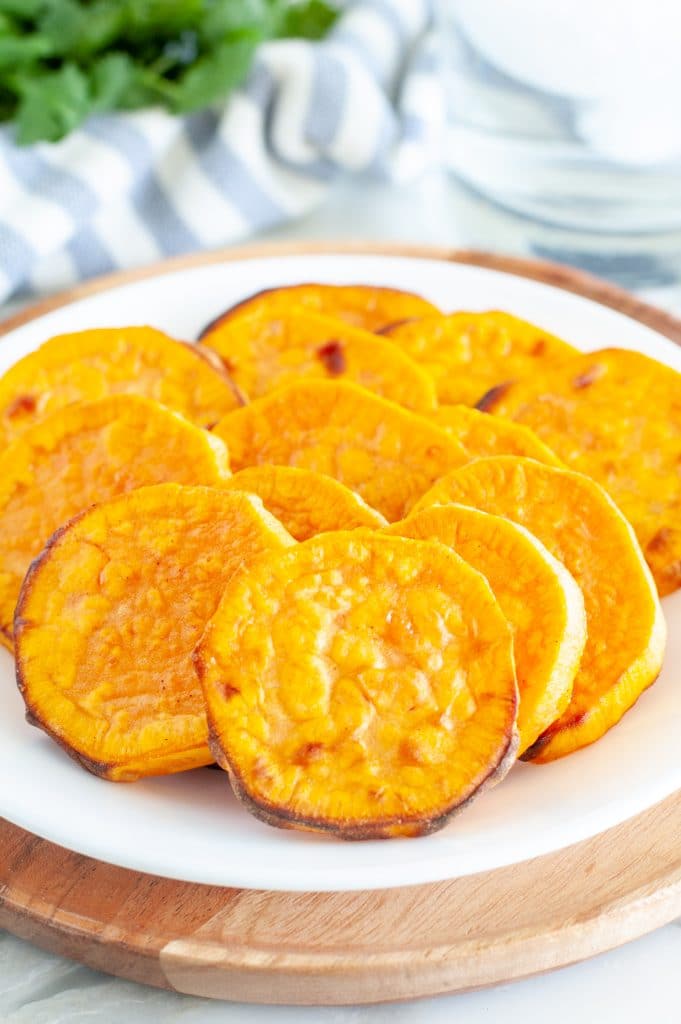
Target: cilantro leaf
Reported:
point(62, 60)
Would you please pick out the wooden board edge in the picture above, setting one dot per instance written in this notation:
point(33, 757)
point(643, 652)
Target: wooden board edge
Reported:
point(267, 979)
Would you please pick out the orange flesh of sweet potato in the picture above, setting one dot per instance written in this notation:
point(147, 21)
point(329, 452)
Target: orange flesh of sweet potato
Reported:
point(616, 416)
point(262, 352)
point(389, 455)
point(109, 616)
point(579, 524)
point(359, 684)
point(468, 353)
point(482, 434)
point(93, 364)
point(368, 306)
point(306, 503)
point(543, 604)
point(86, 453)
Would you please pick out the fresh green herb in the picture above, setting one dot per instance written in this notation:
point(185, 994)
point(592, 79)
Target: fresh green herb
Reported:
point(62, 60)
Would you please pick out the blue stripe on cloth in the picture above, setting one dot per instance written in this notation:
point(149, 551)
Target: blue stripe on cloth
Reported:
point(413, 127)
point(260, 85)
point(169, 230)
point(427, 61)
point(16, 255)
point(228, 172)
point(49, 182)
point(327, 100)
point(387, 137)
point(89, 255)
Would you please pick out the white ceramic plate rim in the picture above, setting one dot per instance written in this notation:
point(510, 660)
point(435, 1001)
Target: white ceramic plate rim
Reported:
point(189, 827)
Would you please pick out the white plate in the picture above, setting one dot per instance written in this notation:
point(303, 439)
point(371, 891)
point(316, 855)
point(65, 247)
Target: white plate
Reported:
point(189, 826)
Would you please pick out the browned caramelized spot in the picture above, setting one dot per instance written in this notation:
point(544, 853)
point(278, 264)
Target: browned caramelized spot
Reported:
point(661, 539)
point(230, 691)
point(387, 328)
point(539, 347)
point(308, 752)
point(333, 357)
point(583, 380)
point(574, 722)
point(490, 398)
point(22, 405)
point(672, 573)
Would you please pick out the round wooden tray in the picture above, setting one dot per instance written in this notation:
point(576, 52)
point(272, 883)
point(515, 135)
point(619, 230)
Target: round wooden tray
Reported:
point(336, 948)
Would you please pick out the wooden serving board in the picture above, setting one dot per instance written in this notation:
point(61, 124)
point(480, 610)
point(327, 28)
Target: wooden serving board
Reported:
point(339, 948)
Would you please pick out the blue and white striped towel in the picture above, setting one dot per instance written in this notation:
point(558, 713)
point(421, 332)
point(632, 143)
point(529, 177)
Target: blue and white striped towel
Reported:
point(127, 189)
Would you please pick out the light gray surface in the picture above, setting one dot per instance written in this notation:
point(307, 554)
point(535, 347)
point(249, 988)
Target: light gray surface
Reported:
point(640, 981)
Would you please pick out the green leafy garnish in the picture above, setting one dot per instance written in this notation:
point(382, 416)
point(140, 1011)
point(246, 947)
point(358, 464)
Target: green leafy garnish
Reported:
point(62, 60)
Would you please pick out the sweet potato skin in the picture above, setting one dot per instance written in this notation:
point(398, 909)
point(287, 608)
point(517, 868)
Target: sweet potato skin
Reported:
point(370, 307)
point(285, 715)
point(94, 364)
point(616, 416)
point(582, 527)
point(539, 598)
point(306, 503)
point(385, 453)
point(108, 617)
point(85, 453)
point(262, 352)
point(468, 353)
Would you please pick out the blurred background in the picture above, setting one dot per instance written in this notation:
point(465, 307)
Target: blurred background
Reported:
point(137, 129)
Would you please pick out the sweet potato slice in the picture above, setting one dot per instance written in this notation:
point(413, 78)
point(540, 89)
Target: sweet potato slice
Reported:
point(383, 452)
point(86, 453)
point(375, 694)
point(482, 434)
point(543, 604)
point(262, 353)
point(579, 524)
point(110, 613)
point(93, 364)
point(306, 503)
point(468, 353)
point(616, 416)
point(368, 306)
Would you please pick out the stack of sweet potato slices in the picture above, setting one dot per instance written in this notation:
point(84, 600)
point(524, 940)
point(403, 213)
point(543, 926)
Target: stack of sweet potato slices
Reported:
point(361, 553)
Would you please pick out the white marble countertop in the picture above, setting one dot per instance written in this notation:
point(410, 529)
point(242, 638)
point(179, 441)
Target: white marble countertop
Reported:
point(640, 981)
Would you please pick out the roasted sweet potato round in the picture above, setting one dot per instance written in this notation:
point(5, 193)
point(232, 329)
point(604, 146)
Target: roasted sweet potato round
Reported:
point(86, 453)
point(360, 684)
point(482, 434)
point(389, 455)
point(579, 524)
point(306, 503)
point(543, 604)
point(468, 353)
point(110, 613)
point(93, 364)
point(616, 416)
point(262, 352)
point(362, 305)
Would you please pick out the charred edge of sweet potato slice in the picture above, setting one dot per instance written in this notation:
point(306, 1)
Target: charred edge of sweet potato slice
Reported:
point(487, 402)
point(574, 722)
point(217, 363)
point(234, 310)
point(33, 717)
point(388, 828)
point(102, 769)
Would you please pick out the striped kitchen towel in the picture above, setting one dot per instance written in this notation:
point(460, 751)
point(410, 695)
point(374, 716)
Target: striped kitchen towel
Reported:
point(126, 189)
